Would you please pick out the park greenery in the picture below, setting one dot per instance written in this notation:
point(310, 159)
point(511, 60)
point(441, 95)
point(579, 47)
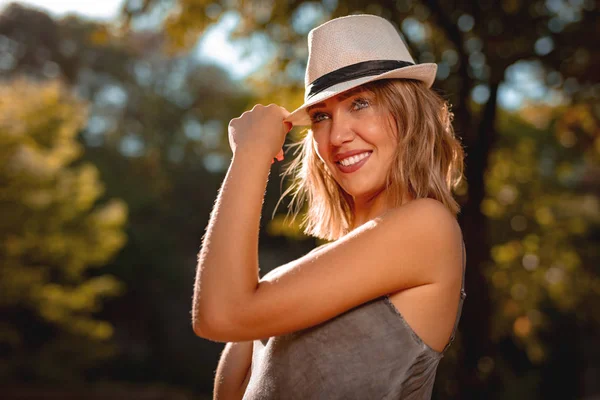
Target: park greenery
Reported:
point(113, 146)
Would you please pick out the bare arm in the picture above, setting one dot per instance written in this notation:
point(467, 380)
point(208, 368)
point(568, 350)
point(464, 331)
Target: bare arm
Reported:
point(233, 371)
point(414, 245)
point(230, 245)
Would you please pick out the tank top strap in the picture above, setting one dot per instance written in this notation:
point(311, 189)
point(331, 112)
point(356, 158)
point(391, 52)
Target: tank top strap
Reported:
point(463, 295)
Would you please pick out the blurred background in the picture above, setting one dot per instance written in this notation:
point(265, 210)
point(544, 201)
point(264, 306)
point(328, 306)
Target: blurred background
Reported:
point(113, 144)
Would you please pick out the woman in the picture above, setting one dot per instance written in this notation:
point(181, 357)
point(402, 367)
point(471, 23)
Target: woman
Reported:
point(369, 315)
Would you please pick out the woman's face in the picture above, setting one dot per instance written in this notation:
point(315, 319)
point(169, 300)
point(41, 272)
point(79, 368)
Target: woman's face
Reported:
point(353, 124)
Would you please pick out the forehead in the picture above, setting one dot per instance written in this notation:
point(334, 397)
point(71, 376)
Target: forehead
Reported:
point(340, 97)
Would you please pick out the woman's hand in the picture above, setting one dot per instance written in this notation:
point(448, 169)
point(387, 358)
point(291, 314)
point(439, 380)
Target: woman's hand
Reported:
point(260, 131)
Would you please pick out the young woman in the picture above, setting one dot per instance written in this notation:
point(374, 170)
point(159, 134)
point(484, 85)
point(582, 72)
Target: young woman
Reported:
point(370, 314)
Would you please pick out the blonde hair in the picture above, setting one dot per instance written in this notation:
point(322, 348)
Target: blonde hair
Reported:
point(429, 161)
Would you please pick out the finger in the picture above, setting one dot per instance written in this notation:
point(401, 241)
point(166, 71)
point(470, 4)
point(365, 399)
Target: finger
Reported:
point(285, 112)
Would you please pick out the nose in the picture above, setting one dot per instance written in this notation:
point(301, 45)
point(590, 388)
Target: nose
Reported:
point(340, 130)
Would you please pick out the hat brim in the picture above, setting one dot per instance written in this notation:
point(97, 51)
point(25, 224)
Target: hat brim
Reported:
point(424, 72)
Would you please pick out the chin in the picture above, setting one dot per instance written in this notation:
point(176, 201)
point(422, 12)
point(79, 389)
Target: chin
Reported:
point(357, 192)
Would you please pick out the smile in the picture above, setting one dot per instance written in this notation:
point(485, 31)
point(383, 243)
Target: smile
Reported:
point(353, 163)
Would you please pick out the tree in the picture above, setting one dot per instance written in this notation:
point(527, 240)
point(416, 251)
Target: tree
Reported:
point(541, 200)
point(474, 44)
point(52, 236)
point(155, 131)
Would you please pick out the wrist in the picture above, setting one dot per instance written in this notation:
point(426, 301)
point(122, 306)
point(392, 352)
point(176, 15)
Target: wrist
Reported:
point(252, 156)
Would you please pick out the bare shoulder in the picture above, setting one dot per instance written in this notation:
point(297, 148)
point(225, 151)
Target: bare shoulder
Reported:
point(434, 318)
point(426, 211)
point(430, 226)
point(437, 233)
point(408, 247)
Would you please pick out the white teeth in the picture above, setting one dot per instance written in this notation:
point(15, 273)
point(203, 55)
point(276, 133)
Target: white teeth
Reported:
point(346, 162)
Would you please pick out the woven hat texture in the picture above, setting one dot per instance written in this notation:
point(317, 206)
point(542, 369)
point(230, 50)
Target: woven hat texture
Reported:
point(346, 41)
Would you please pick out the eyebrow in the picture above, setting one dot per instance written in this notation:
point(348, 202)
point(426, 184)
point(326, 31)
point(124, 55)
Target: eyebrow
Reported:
point(341, 97)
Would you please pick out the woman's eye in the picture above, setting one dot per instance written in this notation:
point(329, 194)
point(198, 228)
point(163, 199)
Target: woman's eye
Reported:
point(318, 116)
point(360, 103)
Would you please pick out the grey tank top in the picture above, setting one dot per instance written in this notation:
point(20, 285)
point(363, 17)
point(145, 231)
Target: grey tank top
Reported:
point(368, 352)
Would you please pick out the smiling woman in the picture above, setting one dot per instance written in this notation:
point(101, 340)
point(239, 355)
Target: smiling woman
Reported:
point(401, 128)
point(369, 315)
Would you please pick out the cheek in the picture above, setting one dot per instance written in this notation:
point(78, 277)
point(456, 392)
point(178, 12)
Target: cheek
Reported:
point(387, 135)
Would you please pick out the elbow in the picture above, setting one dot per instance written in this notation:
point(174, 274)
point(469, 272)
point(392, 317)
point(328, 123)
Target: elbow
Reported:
point(205, 326)
point(215, 326)
point(223, 321)
point(200, 329)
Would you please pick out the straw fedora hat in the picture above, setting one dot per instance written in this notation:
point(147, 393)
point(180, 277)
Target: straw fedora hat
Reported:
point(347, 52)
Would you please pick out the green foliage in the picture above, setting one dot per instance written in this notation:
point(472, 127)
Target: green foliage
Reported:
point(51, 234)
point(539, 179)
point(175, 111)
point(541, 210)
point(538, 260)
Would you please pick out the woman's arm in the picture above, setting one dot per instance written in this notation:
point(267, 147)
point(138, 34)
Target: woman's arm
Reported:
point(417, 244)
point(233, 371)
point(228, 263)
point(414, 245)
point(227, 273)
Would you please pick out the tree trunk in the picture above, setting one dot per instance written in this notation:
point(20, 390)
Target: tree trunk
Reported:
point(477, 314)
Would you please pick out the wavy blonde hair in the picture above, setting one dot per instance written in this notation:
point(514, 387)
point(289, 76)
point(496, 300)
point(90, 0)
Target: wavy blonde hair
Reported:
point(429, 161)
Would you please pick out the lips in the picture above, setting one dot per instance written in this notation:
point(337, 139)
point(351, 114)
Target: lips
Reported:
point(353, 167)
point(341, 156)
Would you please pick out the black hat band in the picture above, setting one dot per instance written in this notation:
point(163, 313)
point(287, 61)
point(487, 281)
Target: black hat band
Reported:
point(354, 71)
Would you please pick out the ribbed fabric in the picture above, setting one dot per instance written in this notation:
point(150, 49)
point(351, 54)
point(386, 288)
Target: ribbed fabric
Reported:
point(368, 352)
